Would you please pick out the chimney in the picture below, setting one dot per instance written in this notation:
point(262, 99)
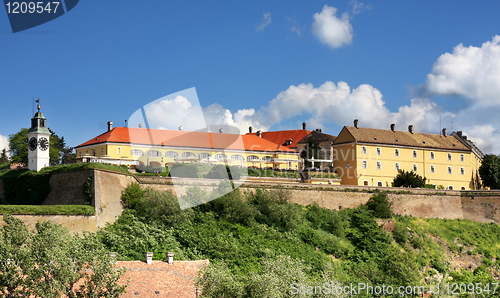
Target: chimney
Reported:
point(356, 121)
point(465, 138)
point(444, 131)
point(170, 257)
point(110, 125)
point(180, 127)
point(140, 125)
point(410, 128)
point(149, 257)
point(304, 125)
point(221, 130)
point(250, 129)
point(459, 133)
point(259, 133)
point(393, 127)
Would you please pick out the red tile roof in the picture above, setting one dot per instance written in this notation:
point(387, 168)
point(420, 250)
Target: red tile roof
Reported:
point(169, 280)
point(176, 138)
point(281, 136)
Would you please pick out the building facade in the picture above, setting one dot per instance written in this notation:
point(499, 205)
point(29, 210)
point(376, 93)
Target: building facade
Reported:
point(373, 157)
point(155, 147)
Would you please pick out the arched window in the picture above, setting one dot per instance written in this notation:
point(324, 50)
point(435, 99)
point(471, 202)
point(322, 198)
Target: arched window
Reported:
point(220, 156)
point(365, 183)
point(172, 154)
point(380, 184)
point(252, 157)
point(237, 157)
point(450, 187)
point(187, 154)
point(136, 152)
point(154, 153)
point(267, 158)
point(205, 155)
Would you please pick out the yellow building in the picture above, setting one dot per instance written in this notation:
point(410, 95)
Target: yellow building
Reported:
point(372, 157)
point(141, 146)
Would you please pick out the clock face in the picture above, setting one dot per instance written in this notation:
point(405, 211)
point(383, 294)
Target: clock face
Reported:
point(44, 144)
point(32, 144)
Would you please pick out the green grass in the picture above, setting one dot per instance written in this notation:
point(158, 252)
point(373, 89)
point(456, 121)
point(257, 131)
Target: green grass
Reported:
point(48, 209)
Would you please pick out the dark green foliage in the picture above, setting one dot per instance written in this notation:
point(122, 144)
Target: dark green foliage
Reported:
point(4, 158)
point(275, 210)
point(380, 206)
point(87, 190)
point(24, 187)
point(48, 262)
point(223, 172)
point(163, 171)
point(187, 170)
point(490, 171)
point(48, 209)
point(408, 179)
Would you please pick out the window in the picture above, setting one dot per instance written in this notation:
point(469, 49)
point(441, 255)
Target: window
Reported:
point(414, 153)
point(379, 165)
point(237, 157)
point(415, 167)
point(363, 150)
point(172, 154)
point(252, 157)
point(433, 169)
point(87, 152)
point(462, 171)
point(136, 152)
point(379, 183)
point(449, 156)
point(365, 183)
point(450, 187)
point(102, 151)
point(220, 156)
point(347, 166)
point(432, 155)
point(396, 166)
point(449, 170)
point(80, 153)
point(119, 150)
point(365, 165)
point(205, 155)
point(379, 151)
point(154, 153)
point(267, 158)
point(396, 152)
point(462, 158)
point(462, 188)
point(187, 154)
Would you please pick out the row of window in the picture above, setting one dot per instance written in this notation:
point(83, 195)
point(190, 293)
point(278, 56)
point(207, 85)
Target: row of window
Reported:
point(415, 167)
point(380, 184)
point(364, 150)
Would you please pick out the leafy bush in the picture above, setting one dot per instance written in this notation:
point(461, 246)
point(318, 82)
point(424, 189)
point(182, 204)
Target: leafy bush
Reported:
point(223, 172)
point(87, 190)
point(380, 206)
point(24, 187)
point(408, 179)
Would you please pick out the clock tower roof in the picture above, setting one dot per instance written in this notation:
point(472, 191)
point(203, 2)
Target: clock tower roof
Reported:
point(39, 123)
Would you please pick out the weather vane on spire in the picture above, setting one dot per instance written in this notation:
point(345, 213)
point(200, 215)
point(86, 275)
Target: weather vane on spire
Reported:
point(38, 106)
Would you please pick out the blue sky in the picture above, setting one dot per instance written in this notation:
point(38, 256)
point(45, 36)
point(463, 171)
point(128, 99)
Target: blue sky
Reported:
point(269, 64)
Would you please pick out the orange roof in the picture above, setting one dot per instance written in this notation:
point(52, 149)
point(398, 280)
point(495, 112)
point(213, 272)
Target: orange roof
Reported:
point(177, 138)
point(161, 279)
point(281, 136)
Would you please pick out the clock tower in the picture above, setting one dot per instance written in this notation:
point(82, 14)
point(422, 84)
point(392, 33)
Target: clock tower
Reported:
point(38, 142)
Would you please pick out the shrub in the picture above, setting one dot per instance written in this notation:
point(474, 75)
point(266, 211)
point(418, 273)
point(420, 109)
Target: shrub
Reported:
point(380, 206)
point(408, 179)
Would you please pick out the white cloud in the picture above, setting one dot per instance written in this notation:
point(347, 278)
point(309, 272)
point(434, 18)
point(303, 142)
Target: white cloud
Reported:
point(331, 30)
point(266, 21)
point(357, 7)
point(468, 71)
point(4, 142)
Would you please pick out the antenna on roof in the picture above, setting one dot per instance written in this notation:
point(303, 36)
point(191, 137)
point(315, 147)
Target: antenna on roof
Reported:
point(451, 123)
point(125, 123)
point(439, 124)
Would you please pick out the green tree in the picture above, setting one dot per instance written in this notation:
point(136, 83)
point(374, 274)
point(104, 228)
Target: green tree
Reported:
point(490, 171)
point(49, 261)
point(4, 157)
point(380, 206)
point(18, 146)
point(408, 179)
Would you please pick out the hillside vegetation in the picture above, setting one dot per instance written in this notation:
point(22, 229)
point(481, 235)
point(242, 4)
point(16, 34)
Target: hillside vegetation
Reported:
point(260, 245)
